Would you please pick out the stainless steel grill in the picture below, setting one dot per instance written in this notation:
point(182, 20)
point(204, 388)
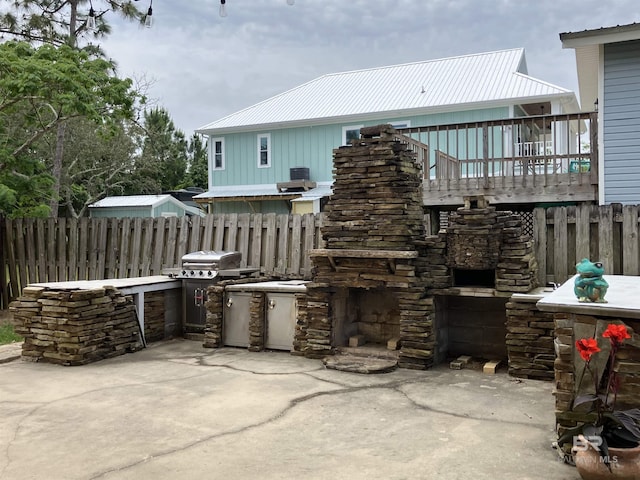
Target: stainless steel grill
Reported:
point(208, 264)
point(198, 271)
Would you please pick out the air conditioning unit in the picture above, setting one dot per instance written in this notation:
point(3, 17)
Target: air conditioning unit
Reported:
point(299, 173)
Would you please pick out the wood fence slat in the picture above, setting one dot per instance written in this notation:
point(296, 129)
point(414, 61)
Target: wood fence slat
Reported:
point(194, 240)
point(72, 244)
point(605, 238)
point(270, 243)
point(110, 253)
point(93, 250)
point(560, 244)
point(207, 237)
point(283, 243)
point(21, 259)
point(583, 232)
point(51, 250)
point(83, 224)
point(146, 247)
point(630, 240)
point(255, 256)
point(30, 248)
point(172, 235)
point(183, 237)
point(103, 236)
point(136, 247)
point(125, 239)
point(158, 240)
point(41, 248)
point(61, 242)
point(232, 229)
point(540, 243)
point(296, 245)
point(244, 220)
point(16, 286)
point(218, 236)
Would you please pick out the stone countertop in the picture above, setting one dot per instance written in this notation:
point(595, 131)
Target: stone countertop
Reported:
point(119, 283)
point(288, 286)
point(623, 299)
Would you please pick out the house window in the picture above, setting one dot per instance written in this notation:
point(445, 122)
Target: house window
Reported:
point(217, 153)
point(264, 150)
point(350, 133)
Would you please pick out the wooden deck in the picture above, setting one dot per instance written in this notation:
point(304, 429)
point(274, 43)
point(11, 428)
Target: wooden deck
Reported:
point(514, 161)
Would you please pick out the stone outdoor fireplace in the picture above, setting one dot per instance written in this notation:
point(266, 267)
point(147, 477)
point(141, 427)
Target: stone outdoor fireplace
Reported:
point(382, 281)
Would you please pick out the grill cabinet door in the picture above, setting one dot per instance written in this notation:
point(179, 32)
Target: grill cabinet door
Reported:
point(194, 300)
point(235, 319)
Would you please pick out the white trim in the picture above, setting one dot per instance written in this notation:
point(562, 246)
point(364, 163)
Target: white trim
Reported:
point(213, 153)
point(601, 192)
point(349, 128)
point(601, 36)
point(259, 137)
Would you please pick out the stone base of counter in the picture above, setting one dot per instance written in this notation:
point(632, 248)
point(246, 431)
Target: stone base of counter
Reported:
point(529, 339)
point(75, 327)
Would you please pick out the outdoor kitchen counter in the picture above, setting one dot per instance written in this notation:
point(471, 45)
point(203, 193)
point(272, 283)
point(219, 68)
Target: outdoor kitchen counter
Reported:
point(135, 286)
point(288, 286)
point(623, 299)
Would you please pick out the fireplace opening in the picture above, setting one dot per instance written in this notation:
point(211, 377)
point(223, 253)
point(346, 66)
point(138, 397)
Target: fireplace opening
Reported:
point(370, 316)
point(474, 278)
point(474, 326)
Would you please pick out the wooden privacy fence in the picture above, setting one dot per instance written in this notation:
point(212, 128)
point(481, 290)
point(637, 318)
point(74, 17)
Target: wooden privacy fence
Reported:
point(47, 250)
point(62, 249)
point(565, 235)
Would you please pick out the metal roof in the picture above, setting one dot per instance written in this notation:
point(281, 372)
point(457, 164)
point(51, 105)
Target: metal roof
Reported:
point(413, 88)
point(131, 201)
point(618, 33)
point(261, 192)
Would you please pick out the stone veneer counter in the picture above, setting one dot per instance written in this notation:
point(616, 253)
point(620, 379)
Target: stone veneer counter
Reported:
point(623, 299)
point(574, 320)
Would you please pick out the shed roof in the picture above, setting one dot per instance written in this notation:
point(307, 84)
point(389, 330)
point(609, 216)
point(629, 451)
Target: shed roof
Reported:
point(131, 201)
point(413, 88)
point(151, 201)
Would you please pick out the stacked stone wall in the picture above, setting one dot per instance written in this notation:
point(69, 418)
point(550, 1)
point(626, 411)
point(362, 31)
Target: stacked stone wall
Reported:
point(75, 327)
point(529, 339)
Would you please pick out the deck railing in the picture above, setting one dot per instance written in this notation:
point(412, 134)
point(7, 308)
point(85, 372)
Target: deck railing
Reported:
point(517, 160)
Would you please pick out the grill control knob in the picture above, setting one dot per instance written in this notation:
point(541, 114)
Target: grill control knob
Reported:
point(184, 272)
point(209, 273)
point(201, 273)
point(192, 273)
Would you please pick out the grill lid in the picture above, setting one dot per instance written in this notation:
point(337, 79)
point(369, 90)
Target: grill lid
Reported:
point(211, 259)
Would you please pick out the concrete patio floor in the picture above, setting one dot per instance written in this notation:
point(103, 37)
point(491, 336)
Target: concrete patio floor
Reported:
point(178, 411)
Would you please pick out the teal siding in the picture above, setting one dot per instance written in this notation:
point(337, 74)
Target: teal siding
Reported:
point(120, 212)
point(621, 125)
point(133, 212)
point(312, 147)
point(270, 206)
point(167, 207)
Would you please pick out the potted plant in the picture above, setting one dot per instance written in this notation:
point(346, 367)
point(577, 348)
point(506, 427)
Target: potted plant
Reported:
point(610, 446)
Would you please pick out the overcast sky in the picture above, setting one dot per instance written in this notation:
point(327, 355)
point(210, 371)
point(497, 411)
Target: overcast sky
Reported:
point(204, 67)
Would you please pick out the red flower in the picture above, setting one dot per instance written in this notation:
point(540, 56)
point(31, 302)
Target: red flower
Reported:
point(587, 347)
point(616, 333)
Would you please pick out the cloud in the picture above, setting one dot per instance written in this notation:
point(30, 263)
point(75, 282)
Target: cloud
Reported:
point(206, 67)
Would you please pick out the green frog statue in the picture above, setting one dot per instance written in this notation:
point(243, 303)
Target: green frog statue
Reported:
point(589, 286)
